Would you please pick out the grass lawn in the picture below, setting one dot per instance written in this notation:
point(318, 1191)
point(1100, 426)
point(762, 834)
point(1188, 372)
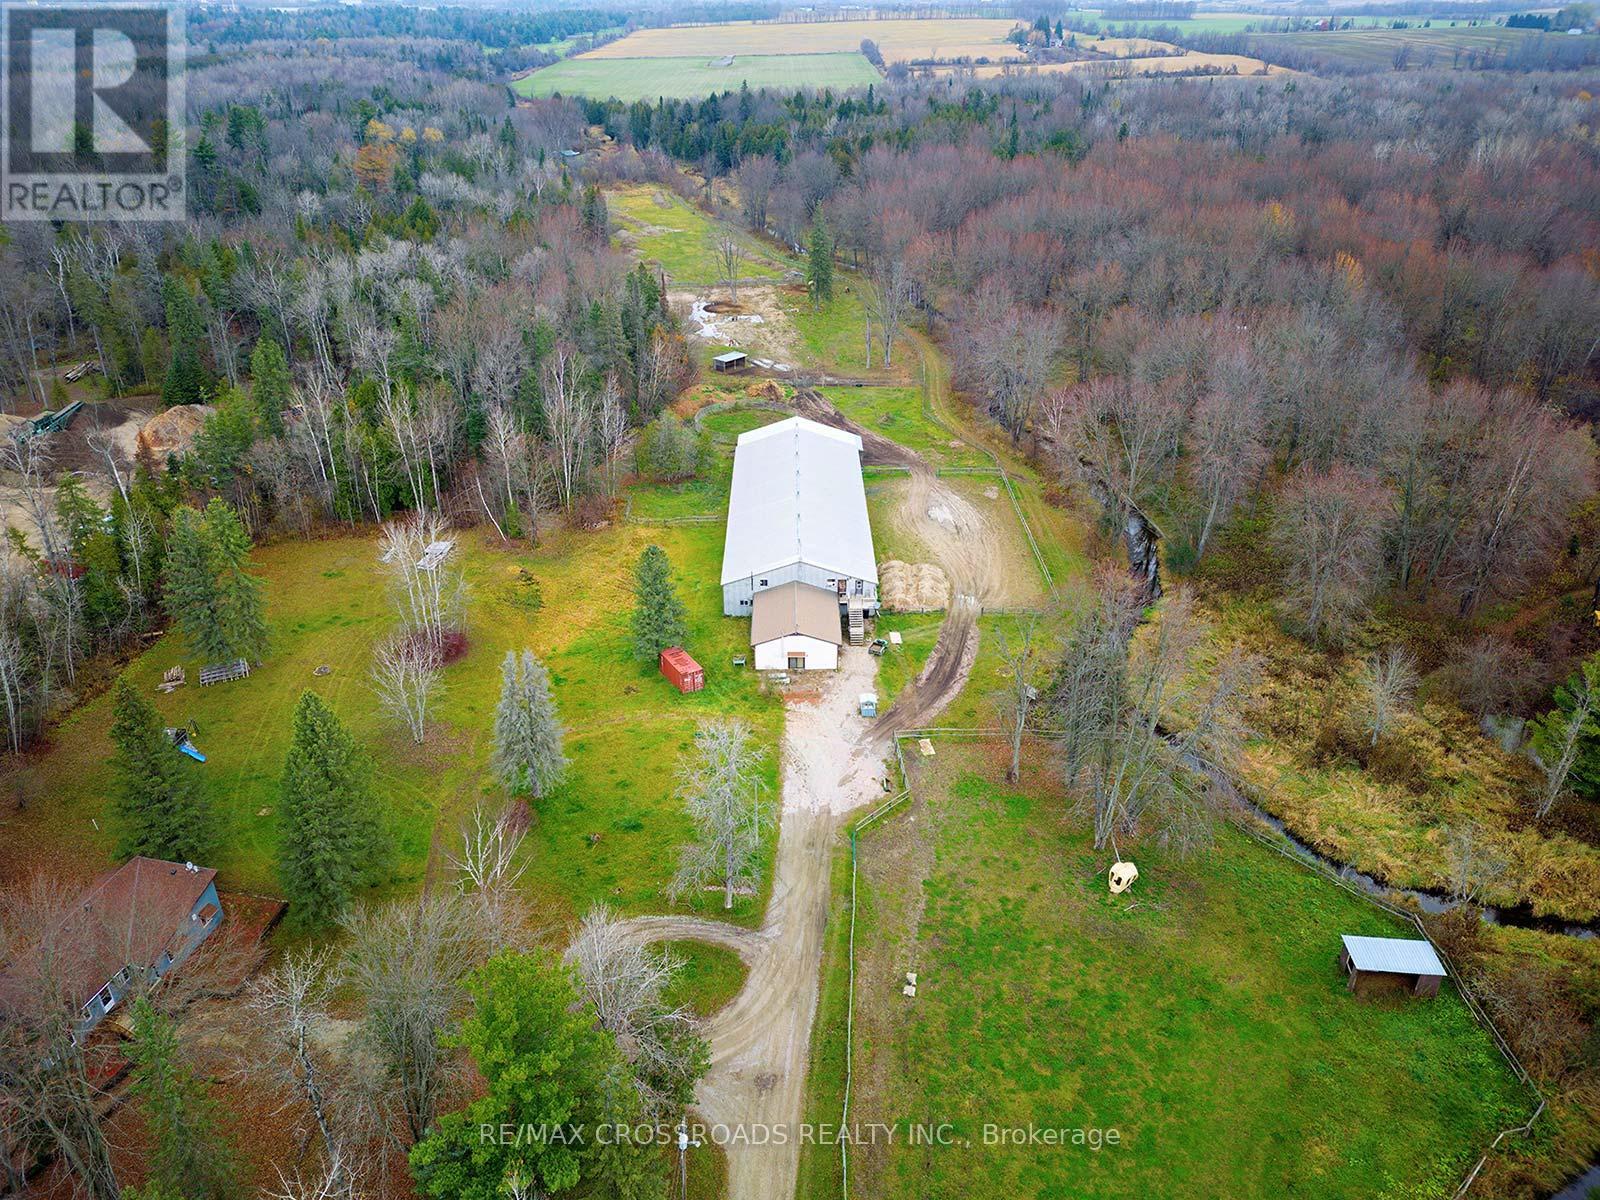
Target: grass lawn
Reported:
point(709, 978)
point(727, 424)
point(1204, 1017)
point(630, 79)
point(665, 229)
point(610, 833)
point(901, 664)
point(896, 412)
point(832, 335)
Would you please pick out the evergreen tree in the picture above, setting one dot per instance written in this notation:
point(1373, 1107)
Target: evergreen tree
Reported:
point(330, 842)
point(159, 803)
point(658, 614)
point(1570, 732)
point(224, 439)
point(189, 588)
point(241, 612)
point(546, 1064)
point(208, 592)
point(269, 383)
point(819, 263)
point(186, 381)
point(527, 730)
point(187, 1157)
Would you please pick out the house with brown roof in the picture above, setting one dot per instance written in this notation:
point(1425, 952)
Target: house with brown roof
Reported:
point(134, 925)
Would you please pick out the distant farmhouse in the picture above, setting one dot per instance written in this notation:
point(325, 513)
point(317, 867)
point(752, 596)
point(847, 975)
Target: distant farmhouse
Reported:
point(133, 926)
point(798, 516)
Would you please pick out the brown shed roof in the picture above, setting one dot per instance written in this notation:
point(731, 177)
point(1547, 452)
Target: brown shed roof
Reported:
point(794, 608)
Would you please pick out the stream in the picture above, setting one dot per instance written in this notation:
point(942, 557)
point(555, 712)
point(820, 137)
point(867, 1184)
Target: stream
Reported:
point(1520, 916)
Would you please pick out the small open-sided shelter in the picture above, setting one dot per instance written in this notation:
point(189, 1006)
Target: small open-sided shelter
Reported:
point(795, 627)
point(733, 360)
point(1410, 959)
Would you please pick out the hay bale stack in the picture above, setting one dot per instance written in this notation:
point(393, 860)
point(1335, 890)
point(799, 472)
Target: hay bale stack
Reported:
point(172, 433)
point(912, 587)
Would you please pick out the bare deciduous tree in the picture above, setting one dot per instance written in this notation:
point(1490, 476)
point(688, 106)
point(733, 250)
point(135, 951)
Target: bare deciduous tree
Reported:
point(1116, 692)
point(406, 677)
point(720, 790)
point(1474, 866)
point(1019, 661)
point(1329, 530)
point(430, 595)
point(489, 872)
point(290, 1004)
point(729, 255)
point(626, 981)
point(1388, 683)
point(407, 961)
point(569, 417)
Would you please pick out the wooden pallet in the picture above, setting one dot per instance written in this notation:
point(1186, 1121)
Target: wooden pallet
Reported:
point(224, 672)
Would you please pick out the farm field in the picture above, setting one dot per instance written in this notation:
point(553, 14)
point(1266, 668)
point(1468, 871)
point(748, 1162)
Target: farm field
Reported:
point(608, 834)
point(899, 39)
point(1205, 1019)
point(1165, 64)
point(649, 78)
point(1378, 47)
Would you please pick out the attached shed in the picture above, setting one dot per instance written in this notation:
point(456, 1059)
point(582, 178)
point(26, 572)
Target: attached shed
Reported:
point(797, 513)
point(733, 360)
point(681, 670)
point(795, 628)
point(1410, 959)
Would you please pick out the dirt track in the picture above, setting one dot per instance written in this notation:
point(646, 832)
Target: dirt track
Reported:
point(833, 764)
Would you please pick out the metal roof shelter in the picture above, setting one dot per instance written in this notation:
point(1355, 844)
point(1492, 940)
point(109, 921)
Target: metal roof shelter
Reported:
point(797, 512)
point(733, 360)
point(1410, 957)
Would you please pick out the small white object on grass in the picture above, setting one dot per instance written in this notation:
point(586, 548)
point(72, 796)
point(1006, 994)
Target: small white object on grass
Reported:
point(910, 989)
point(1122, 876)
point(911, 978)
point(926, 746)
point(894, 637)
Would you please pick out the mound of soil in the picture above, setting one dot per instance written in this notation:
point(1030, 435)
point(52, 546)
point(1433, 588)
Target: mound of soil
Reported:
point(723, 306)
point(173, 432)
point(912, 587)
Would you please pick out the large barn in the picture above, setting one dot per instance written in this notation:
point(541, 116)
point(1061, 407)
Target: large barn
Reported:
point(798, 514)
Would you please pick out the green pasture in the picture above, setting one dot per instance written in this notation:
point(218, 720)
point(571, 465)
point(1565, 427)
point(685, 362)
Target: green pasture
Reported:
point(1203, 1016)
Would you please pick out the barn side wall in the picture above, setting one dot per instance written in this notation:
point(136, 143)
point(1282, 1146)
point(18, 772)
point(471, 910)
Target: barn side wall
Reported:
point(738, 594)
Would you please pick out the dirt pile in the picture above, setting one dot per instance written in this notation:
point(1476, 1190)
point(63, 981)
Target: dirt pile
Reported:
point(173, 432)
point(912, 587)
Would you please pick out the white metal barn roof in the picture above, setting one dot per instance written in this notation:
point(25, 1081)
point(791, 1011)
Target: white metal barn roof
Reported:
point(1398, 956)
point(798, 497)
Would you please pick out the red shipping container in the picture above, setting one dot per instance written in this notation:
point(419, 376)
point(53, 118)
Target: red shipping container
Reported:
point(682, 671)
